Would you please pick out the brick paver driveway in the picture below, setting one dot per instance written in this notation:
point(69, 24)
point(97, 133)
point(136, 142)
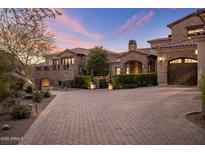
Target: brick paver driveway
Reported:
point(154, 115)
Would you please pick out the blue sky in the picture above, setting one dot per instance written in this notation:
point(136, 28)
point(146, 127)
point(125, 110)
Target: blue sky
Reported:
point(112, 28)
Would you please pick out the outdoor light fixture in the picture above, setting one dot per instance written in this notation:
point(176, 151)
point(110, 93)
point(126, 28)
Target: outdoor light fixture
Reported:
point(161, 59)
point(92, 86)
point(110, 87)
point(196, 52)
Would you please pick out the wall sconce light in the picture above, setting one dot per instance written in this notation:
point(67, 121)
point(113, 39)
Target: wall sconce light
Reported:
point(196, 52)
point(161, 59)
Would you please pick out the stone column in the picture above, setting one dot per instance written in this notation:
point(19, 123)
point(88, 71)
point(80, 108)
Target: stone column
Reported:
point(200, 39)
point(161, 69)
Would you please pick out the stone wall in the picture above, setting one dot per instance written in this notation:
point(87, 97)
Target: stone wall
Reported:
point(179, 31)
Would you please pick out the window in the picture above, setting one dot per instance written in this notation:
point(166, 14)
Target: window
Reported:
point(38, 68)
point(176, 61)
point(56, 64)
point(117, 70)
point(194, 30)
point(46, 68)
point(190, 60)
point(72, 61)
point(67, 61)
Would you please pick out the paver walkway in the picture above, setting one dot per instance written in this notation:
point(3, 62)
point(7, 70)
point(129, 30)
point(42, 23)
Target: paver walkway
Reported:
point(154, 115)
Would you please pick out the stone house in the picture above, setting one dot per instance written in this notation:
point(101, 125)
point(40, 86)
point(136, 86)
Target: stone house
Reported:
point(177, 53)
point(59, 67)
point(174, 58)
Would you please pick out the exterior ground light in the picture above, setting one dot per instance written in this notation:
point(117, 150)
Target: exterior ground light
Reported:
point(110, 86)
point(92, 86)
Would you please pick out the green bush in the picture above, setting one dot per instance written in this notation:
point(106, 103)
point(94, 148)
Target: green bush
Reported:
point(134, 80)
point(28, 96)
point(46, 94)
point(5, 90)
point(21, 111)
point(10, 102)
point(29, 89)
point(82, 81)
point(37, 97)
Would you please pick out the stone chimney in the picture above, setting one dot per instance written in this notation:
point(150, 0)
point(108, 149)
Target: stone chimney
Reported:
point(132, 45)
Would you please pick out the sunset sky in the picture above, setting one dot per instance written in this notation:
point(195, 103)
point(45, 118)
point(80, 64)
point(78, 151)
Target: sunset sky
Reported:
point(112, 28)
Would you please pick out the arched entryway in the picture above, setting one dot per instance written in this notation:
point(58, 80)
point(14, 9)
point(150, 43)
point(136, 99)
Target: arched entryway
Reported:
point(182, 71)
point(45, 83)
point(133, 67)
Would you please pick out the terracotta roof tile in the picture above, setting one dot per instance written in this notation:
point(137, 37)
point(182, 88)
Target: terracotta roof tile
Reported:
point(160, 39)
point(181, 43)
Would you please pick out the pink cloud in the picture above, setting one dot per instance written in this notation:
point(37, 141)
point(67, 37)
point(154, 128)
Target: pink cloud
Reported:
point(136, 21)
point(69, 40)
point(72, 24)
point(71, 33)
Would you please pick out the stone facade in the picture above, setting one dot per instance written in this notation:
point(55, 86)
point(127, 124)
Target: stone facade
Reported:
point(177, 45)
point(56, 75)
point(137, 59)
point(154, 59)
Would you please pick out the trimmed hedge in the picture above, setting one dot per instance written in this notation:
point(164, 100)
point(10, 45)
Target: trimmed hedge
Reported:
point(134, 80)
point(82, 81)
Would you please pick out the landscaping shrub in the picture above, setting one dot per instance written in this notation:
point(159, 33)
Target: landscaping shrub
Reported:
point(28, 96)
point(10, 102)
point(4, 90)
point(134, 80)
point(21, 111)
point(20, 94)
point(37, 97)
point(29, 89)
point(46, 94)
point(82, 81)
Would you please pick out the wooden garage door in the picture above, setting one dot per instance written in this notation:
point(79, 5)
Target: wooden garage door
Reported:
point(182, 71)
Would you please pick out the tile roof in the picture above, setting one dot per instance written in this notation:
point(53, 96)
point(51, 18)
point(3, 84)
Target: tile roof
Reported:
point(160, 39)
point(181, 43)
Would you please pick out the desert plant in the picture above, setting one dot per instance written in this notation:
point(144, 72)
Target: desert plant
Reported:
point(46, 94)
point(37, 97)
point(29, 89)
point(10, 102)
point(5, 90)
point(21, 111)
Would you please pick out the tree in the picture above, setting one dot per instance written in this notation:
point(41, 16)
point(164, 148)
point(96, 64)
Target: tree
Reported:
point(97, 61)
point(24, 35)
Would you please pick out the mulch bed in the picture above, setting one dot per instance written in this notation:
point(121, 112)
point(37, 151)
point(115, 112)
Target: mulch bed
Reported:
point(197, 119)
point(19, 127)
